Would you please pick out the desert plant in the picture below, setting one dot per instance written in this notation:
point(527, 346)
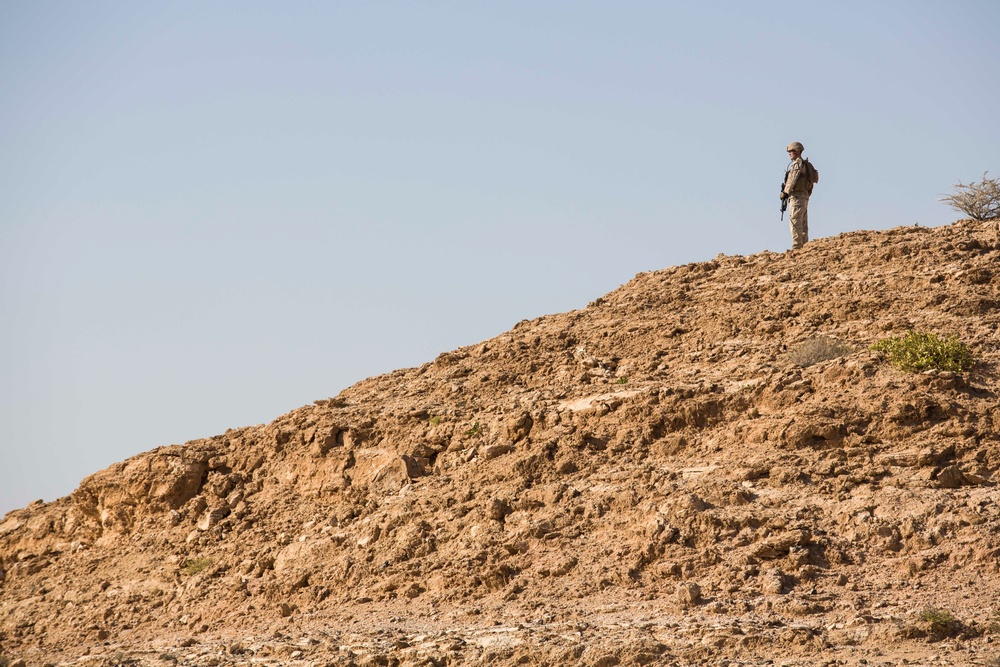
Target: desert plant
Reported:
point(196, 565)
point(936, 616)
point(473, 431)
point(816, 350)
point(916, 352)
point(623, 380)
point(434, 421)
point(4, 661)
point(979, 201)
point(940, 622)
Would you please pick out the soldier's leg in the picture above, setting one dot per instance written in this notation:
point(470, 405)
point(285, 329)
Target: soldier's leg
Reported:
point(805, 218)
point(798, 220)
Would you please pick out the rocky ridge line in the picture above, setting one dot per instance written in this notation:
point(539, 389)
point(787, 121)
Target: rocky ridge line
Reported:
point(648, 480)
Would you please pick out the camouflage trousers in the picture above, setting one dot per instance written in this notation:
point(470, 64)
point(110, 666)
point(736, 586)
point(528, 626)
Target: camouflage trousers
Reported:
point(798, 220)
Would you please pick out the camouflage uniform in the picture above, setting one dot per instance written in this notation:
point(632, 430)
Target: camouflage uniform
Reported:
point(796, 188)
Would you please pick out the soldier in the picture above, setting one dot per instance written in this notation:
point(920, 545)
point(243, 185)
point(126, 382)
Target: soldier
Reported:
point(799, 179)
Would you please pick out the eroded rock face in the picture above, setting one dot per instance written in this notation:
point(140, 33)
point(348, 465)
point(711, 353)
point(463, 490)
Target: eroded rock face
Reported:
point(649, 480)
point(165, 479)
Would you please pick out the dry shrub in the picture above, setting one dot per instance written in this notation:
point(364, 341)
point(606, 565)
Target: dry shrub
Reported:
point(196, 565)
point(979, 201)
point(816, 350)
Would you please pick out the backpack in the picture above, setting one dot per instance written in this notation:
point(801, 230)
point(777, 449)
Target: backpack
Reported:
point(811, 174)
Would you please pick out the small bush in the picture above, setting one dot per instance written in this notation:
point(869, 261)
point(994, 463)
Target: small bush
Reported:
point(939, 623)
point(938, 617)
point(434, 421)
point(623, 380)
point(4, 661)
point(916, 352)
point(816, 350)
point(979, 201)
point(473, 431)
point(196, 565)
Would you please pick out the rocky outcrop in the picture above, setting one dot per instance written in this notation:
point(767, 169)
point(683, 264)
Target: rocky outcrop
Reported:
point(654, 479)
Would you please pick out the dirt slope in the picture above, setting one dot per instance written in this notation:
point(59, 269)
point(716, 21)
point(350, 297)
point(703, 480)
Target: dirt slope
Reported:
point(649, 480)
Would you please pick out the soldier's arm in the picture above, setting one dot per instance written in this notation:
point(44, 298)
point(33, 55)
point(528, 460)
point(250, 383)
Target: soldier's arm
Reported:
point(793, 176)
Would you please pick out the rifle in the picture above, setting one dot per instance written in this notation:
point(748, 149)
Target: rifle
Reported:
point(784, 200)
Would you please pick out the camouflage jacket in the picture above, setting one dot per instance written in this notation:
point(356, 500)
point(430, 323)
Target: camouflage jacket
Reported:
point(795, 179)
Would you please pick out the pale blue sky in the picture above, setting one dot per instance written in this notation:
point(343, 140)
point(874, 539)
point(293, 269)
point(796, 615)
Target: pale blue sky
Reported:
point(212, 213)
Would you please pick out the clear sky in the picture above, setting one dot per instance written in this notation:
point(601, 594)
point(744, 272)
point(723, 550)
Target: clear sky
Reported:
point(212, 213)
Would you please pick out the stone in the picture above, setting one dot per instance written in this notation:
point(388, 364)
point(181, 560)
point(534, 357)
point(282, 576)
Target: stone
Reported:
point(688, 594)
point(568, 467)
point(212, 518)
point(564, 567)
point(493, 451)
point(952, 477)
point(324, 442)
point(498, 510)
point(773, 582)
point(518, 426)
point(779, 545)
point(606, 661)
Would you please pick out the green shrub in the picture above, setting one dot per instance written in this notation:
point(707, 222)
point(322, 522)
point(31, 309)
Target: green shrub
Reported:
point(936, 616)
point(941, 622)
point(196, 565)
point(916, 352)
point(816, 350)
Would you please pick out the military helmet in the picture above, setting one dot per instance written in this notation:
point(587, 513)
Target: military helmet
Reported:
point(795, 146)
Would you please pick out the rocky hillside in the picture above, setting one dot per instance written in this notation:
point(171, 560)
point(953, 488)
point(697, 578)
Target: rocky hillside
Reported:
point(663, 477)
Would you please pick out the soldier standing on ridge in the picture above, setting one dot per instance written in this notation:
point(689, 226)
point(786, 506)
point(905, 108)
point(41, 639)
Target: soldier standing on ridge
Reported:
point(799, 179)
